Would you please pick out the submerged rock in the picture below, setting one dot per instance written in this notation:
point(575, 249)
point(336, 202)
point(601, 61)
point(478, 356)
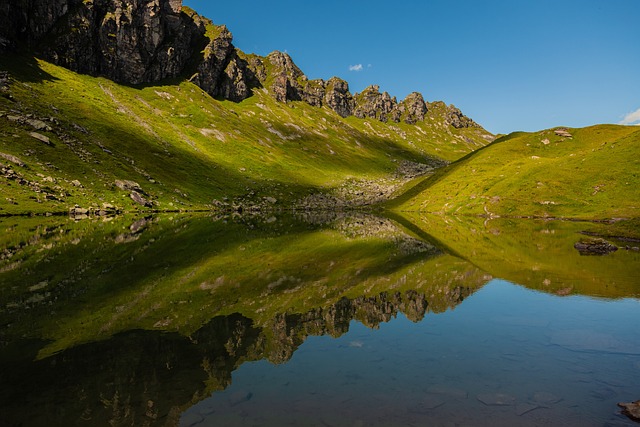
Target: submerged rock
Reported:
point(595, 246)
point(496, 399)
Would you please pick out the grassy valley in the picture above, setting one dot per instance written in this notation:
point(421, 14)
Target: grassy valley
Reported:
point(66, 139)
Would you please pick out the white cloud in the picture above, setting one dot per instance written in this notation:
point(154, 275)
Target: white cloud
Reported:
point(355, 67)
point(632, 118)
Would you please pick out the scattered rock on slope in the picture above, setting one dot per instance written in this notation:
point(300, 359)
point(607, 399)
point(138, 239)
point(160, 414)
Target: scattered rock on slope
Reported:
point(563, 133)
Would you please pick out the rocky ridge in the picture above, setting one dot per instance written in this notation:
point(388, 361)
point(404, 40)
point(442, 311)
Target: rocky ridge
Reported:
point(146, 41)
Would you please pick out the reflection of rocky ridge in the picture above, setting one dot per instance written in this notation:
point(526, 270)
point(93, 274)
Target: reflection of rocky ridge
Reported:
point(136, 378)
point(150, 378)
point(291, 330)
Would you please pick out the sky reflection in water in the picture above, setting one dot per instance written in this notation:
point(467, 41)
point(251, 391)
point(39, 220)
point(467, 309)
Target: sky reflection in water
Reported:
point(321, 319)
point(505, 356)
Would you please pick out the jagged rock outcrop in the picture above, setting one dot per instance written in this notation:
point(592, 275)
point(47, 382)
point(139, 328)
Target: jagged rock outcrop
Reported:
point(26, 21)
point(373, 104)
point(458, 120)
point(133, 42)
point(338, 98)
point(313, 92)
point(286, 77)
point(145, 41)
point(413, 108)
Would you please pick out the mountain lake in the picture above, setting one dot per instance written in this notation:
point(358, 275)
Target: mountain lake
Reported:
point(314, 319)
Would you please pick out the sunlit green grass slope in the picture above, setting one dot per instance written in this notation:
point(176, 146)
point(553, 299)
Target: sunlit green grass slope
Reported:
point(186, 149)
point(595, 174)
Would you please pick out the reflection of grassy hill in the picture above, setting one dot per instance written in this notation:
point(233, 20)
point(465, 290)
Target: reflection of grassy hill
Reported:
point(594, 174)
point(100, 278)
point(538, 254)
point(186, 149)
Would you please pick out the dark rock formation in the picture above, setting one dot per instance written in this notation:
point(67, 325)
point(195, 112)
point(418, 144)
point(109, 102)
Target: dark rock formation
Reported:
point(373, 104)
point(595, 246)
point(458, 120)
point(313, 92)
point(215, 61)
point(286, 77)
point(132, 42)
point(5, 90)
point(413, 109)
point(145, 41)
point(338, 98)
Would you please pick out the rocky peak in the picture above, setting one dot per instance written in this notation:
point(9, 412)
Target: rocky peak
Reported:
point(145, 41)
point(458, 120)
point(413, 108)
point(286, 77)
point(371, 103)
point(338, 98)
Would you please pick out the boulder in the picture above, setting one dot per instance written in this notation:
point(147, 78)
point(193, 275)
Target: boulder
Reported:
point(40, 137)
point(631, 410)
point(12, 159)
point(137, 197)
point(563, 133)
point(127, 185)
point(38, 124)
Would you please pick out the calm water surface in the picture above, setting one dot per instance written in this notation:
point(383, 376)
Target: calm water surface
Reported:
point(327, 320)
point(506, 356)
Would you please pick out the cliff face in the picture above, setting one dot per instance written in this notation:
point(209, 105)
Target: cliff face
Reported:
point(145, 41)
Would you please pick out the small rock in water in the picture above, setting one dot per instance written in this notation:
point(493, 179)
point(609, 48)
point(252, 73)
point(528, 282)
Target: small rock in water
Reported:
point(631, 410)
point(496, 399)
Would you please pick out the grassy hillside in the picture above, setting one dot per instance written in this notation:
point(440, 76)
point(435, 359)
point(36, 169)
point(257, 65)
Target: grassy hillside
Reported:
point(185, 149)
point(594, 174)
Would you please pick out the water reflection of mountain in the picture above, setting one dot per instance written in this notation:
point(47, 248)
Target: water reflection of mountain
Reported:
point(130, 322)
point(538, 254)
point(142, 377)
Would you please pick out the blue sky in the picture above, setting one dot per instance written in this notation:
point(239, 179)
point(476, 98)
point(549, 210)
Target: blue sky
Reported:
point(508, 64)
